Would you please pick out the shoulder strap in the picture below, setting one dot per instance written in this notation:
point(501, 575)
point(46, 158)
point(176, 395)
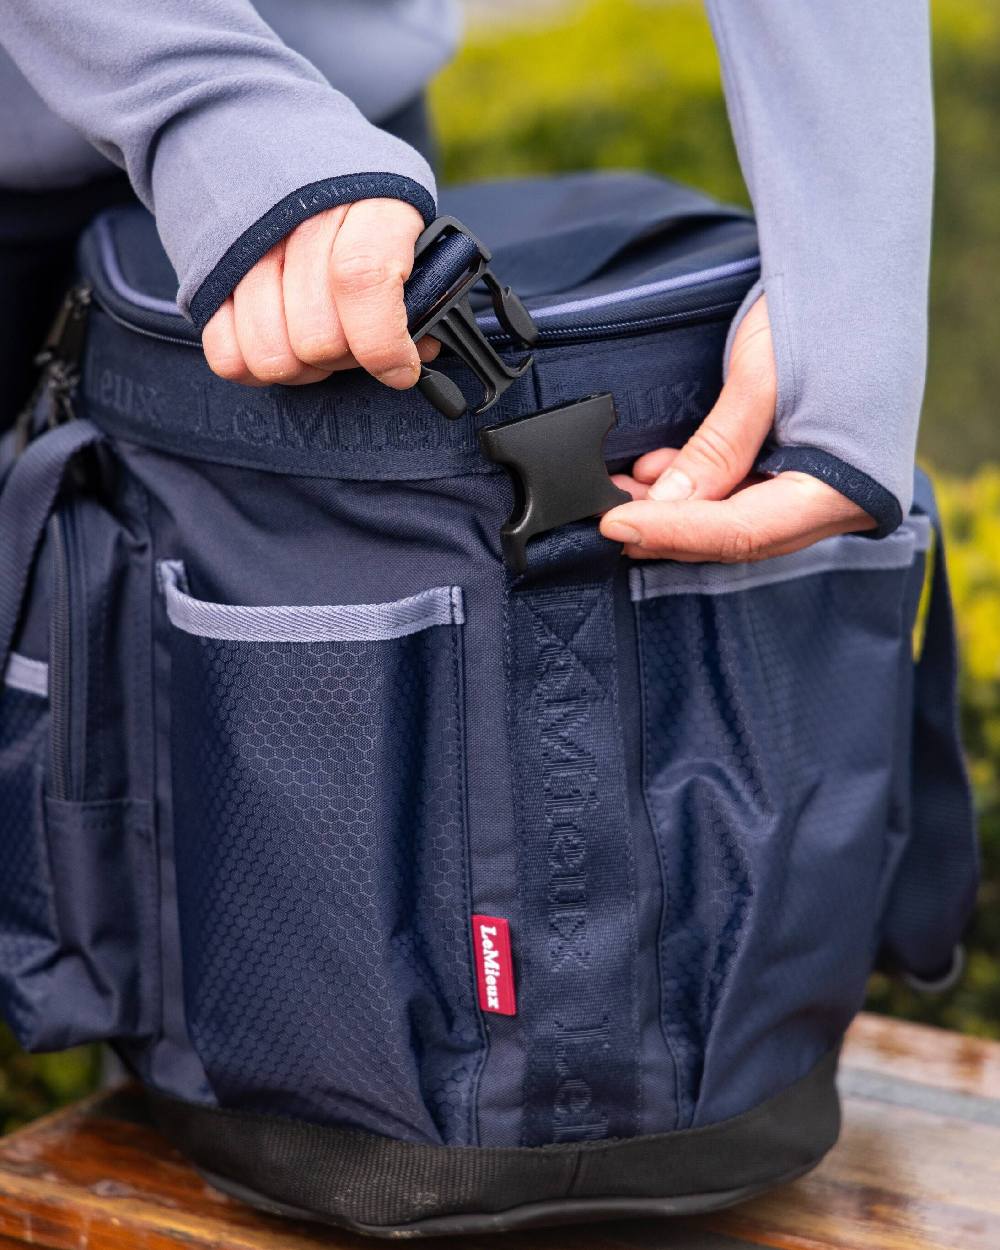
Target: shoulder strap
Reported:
point(29, 494)
point(935, 886)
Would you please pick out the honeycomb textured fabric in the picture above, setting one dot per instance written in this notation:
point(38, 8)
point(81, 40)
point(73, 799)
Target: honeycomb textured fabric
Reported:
point(25, 931)
point(756, 707)
point(322, 875)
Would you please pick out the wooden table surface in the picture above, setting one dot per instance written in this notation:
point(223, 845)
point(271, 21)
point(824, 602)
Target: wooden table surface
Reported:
point(917, 1168)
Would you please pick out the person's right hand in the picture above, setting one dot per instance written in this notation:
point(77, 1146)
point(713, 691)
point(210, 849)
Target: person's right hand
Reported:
point(327, 297)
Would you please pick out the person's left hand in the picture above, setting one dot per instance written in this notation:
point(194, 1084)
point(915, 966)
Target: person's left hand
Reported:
point(700, 503)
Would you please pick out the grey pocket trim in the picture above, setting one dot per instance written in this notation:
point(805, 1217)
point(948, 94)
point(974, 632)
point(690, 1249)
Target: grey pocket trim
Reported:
point(31, 676)
point(845, 553)
point(356, 622)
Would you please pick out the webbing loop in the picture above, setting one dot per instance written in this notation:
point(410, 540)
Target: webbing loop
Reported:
point(576, 888)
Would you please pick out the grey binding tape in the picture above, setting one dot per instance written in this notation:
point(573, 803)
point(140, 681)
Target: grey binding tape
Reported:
point(30, 676)
point(845, 553)
point(358, 622)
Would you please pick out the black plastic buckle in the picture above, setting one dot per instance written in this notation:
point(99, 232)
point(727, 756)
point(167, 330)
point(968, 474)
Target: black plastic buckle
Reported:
point(452, 321)
point(555, 459)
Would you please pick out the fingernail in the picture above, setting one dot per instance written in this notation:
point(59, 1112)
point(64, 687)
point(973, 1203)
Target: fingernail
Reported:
point(619, 532)
point(400, 378)
point(672, 487)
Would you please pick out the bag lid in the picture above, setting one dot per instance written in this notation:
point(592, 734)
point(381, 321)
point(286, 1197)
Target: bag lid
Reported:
point(591, 255)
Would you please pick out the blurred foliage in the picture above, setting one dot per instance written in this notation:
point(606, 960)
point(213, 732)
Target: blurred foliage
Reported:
point(608, 84)
point(31, 1085)
point(621, 83)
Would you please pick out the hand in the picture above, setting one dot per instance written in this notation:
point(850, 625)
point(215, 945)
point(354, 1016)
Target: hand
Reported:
point(701, 503)
point(327, 297)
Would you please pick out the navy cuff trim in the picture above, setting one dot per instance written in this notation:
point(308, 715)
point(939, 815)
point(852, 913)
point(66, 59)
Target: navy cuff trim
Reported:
point(880, 504)
point(290, 212)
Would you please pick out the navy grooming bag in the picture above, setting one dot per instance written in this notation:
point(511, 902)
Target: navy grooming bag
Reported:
point(435, 867)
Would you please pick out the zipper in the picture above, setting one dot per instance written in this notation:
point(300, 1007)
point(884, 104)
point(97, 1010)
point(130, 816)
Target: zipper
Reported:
point(489, 325)
point(629, 325)
point(59, 364)
point(67, 660)
point(596, 329)
point(493, 331)
point(118, 319)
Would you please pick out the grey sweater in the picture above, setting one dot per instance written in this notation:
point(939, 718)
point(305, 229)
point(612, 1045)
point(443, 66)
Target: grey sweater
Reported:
point(231, 136)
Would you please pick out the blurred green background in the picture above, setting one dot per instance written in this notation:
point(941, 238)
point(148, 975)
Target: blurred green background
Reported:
point(625, 83)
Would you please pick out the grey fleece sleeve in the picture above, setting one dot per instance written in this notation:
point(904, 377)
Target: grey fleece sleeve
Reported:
point(831, 109)
point(228, 136)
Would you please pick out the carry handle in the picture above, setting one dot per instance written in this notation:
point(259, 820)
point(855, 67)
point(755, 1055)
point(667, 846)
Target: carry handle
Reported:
point(28, 497)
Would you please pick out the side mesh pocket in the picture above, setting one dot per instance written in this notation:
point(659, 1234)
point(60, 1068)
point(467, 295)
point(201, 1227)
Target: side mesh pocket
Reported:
point(78, 896)
point(27, 937)
point(321, 856)
point(772, 697)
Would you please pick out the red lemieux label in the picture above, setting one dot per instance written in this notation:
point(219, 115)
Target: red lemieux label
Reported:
point(494, 968)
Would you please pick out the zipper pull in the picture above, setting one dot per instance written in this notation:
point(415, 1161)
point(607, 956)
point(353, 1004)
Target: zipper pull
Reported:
point(63, 351)
point(65, 339)
point(59, 363)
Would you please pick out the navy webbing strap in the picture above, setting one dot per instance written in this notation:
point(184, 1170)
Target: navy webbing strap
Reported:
point(28, 496)
point(937, 878)
point(435, 272)
point(576, 888)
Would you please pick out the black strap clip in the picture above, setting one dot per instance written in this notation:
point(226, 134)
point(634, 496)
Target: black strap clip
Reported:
point(448, 252)
point(555, 459)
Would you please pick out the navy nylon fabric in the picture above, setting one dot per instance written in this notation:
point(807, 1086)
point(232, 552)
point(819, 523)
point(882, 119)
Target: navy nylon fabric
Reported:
point(103, 980)
point(578, 235)
point(165, 397)
point(26, 920)
point(322, 878)
point(78, 908)
point(769, 763)
point(436, 272)
point(594, 233)
point(702, 814)
point(577, 930)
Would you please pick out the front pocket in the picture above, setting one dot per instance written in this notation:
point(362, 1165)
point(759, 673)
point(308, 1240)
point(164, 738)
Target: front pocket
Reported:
point(318, 764)
point(773, 700)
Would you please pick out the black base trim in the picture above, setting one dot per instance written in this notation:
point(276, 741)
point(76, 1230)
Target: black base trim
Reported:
point(381, 1187)
point(530, 1215)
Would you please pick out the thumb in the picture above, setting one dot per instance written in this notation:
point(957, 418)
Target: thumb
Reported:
point(721, 452)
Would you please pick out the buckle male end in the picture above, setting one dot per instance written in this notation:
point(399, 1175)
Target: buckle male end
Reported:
point(555, 459)
point(463, 261)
